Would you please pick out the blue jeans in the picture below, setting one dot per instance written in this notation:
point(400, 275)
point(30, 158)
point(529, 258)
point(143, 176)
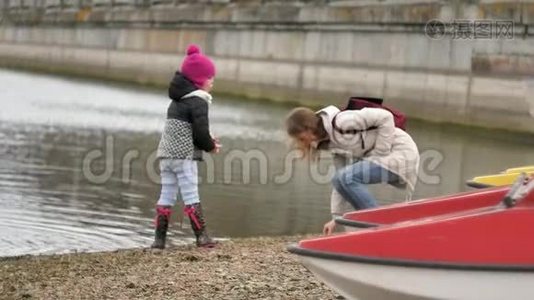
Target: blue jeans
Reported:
point(351, 182)
point(178, 175)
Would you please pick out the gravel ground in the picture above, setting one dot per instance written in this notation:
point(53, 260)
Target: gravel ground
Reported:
point(258, 268)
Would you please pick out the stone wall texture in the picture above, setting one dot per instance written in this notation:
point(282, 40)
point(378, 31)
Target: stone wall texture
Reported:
point(309, 52)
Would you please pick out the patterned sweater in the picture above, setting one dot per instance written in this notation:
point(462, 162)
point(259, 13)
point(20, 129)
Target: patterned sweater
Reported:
point(186, 133)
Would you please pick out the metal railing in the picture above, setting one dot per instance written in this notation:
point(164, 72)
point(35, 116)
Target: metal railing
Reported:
point(37, 11)
point(69, 4)
point(62, 4)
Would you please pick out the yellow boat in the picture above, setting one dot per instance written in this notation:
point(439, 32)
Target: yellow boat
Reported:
point(501, 179)
point(526, 169)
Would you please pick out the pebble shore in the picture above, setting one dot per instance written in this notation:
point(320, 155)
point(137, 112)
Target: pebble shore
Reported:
point(255, 268)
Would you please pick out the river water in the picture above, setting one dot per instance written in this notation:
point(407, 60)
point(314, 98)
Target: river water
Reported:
point(77, 167)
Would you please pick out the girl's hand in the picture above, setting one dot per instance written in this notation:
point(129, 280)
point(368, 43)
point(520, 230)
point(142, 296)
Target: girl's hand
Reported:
point(218, 146)
point(329, 227)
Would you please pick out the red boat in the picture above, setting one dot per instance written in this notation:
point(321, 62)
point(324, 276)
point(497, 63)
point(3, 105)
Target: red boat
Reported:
point(424, 208)
point(475, 254)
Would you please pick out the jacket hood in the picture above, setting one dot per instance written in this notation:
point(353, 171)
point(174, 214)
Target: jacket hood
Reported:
point(327, 114)
point(180, 86)
point(200, 94)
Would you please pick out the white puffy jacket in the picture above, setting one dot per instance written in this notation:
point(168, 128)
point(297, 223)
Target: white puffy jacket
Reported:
point(370, 134)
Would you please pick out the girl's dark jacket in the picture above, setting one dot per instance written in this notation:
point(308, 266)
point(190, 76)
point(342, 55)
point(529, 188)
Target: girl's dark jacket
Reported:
point(186, 129)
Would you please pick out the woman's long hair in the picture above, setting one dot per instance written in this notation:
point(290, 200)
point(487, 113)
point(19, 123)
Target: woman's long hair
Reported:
point(299, 120)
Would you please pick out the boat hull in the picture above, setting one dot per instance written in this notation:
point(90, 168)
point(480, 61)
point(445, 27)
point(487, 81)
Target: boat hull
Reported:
point(359, 280)
point(478, 254)
point(423, 209)
point(526, 169)
point(503, 179)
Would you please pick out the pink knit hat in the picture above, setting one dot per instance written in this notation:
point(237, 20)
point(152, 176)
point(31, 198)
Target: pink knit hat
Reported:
point(197, 67)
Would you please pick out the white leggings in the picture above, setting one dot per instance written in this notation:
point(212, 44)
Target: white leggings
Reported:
point(178, 175)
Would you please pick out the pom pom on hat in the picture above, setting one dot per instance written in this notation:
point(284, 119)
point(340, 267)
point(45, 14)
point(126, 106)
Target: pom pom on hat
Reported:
point(193, 49)
point(197, 67)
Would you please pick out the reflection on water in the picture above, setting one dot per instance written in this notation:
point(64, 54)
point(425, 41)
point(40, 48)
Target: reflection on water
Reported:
point(49, 204)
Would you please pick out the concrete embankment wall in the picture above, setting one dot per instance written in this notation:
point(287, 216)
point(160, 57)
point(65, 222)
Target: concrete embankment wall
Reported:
point(287, 57)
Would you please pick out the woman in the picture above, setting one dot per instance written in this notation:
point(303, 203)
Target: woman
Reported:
point(382, 152)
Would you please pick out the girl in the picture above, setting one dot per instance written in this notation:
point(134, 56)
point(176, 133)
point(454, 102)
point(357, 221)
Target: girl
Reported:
point(383, 153)
point(185, 136)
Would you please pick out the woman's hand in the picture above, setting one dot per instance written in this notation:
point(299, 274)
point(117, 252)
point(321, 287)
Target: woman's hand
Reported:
point(329, 227)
